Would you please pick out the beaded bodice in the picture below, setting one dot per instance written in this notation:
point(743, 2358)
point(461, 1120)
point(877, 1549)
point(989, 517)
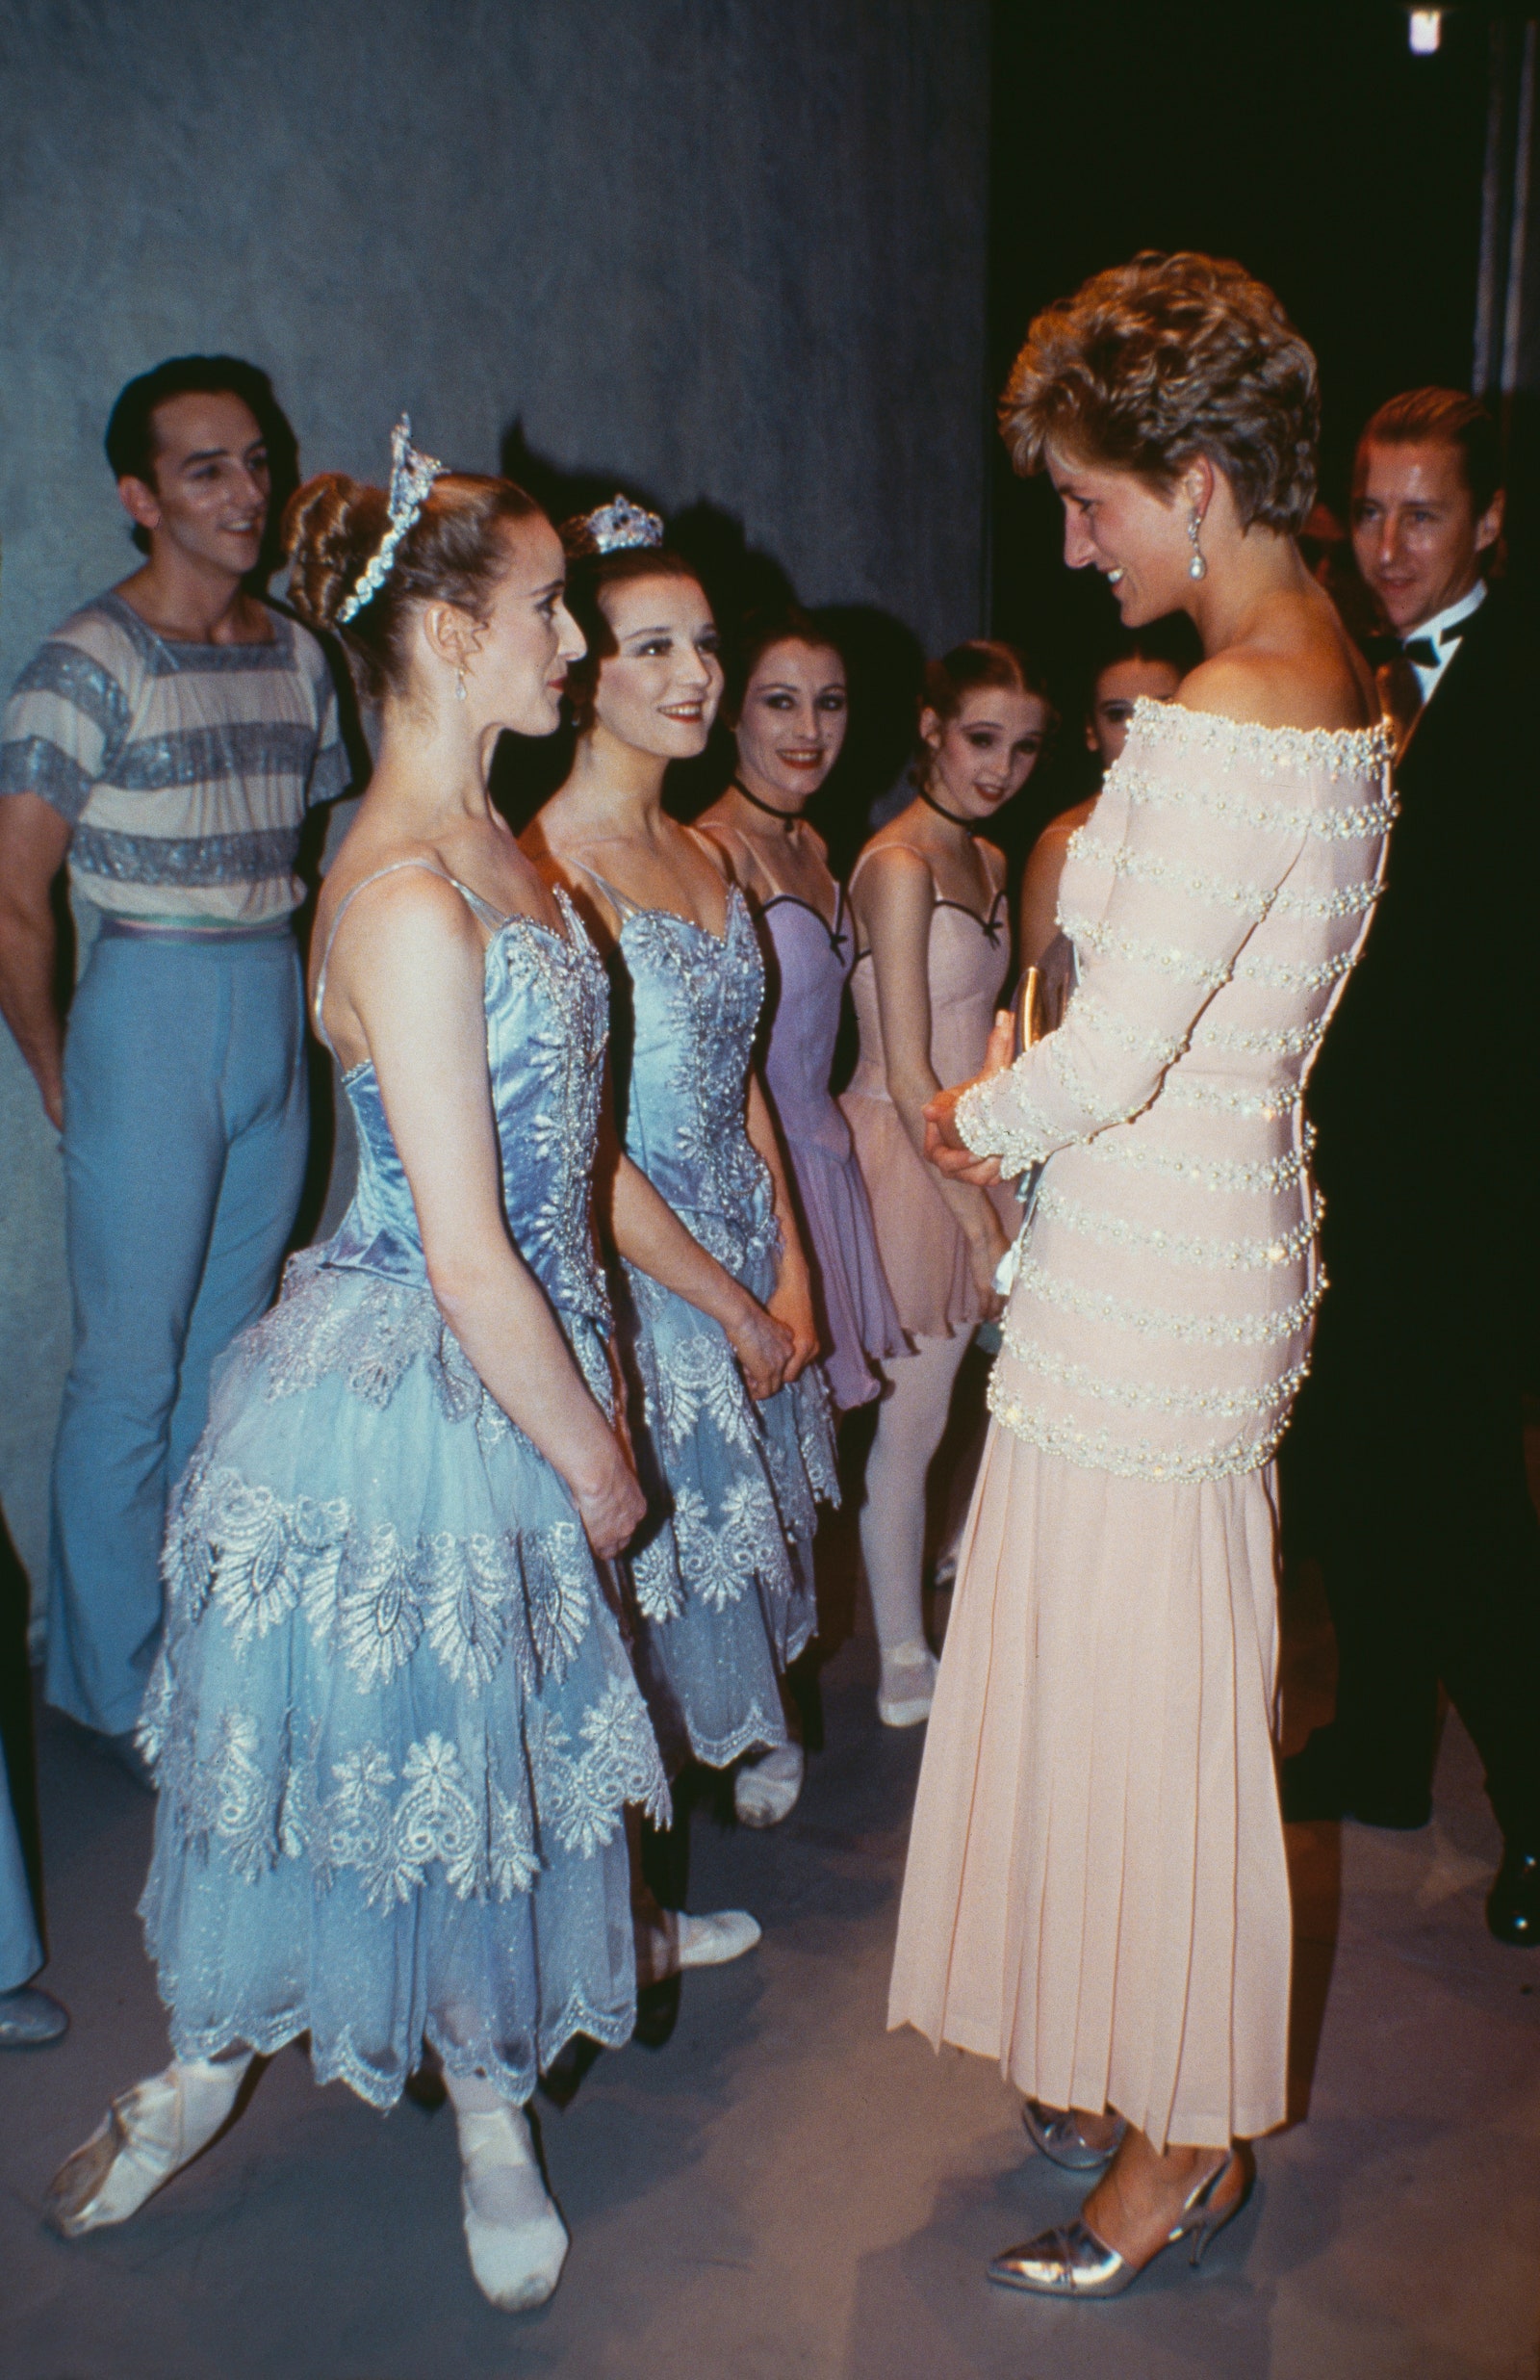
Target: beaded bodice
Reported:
point(694, 998)
point(546, 1012)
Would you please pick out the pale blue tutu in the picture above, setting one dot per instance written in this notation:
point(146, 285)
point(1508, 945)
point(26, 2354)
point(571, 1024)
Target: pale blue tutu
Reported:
point(395, 1721)
point(724, 1586)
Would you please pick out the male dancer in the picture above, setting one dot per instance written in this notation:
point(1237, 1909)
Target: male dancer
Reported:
point(165, 741)
point(1426, 1098)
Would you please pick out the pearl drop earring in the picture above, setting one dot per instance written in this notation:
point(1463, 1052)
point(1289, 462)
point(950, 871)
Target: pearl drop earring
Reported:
point(1197, 567)
point(459, 685)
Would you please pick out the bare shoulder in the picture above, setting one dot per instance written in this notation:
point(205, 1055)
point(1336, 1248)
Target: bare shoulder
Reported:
point(1310, 686)
point(407, 947)
point(886, 862)
point(408, 903)
point(891, 881)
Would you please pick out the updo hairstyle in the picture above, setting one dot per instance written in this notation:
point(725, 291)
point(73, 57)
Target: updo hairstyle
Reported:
point(1154, 362)
point(787, 624)
point(453, 552)
point(588, 574)
point(982, 662)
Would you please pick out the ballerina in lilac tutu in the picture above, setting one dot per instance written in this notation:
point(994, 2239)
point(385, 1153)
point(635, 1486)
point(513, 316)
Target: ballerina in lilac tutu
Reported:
point(787, 707)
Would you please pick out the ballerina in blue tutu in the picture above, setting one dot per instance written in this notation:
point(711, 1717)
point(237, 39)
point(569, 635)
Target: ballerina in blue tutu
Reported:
point(395, 1726)
point(735, 1464)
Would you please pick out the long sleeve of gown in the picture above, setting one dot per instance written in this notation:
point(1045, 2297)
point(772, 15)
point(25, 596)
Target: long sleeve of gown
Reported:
point(1194, 869)
point(1216, 896)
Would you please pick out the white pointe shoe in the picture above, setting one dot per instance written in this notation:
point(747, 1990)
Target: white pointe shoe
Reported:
point(147, 2135)
point(907, 1687)
point(716, 1941)
point(517, 2240)
point(669, 1942)
point(766, 1789)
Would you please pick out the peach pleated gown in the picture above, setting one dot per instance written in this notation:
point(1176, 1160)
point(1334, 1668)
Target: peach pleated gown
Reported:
point(1096, 1891)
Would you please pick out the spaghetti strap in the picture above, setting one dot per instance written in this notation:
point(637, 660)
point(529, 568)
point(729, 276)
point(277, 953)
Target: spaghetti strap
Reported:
point(621, 902)
point(483, 910)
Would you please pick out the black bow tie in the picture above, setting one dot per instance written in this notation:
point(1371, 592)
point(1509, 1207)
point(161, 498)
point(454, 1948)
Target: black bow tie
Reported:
point(1423, 654)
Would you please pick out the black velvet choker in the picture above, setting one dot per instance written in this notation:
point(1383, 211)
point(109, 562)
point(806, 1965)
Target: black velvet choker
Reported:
point(969, 826)
point(789, 819)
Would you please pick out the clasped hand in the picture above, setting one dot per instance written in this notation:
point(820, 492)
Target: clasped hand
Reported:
point(765, 1348)
point(770, 1351)
point(945, 1145)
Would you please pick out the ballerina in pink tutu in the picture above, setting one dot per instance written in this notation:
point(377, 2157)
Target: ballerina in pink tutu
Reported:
point(935, 944)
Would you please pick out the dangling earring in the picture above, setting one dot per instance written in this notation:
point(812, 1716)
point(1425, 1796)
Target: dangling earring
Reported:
point(459, 685)
point(1197, 567)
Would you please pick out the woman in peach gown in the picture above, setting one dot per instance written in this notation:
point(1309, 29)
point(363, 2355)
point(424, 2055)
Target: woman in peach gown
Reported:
point(933, 940)
point(1096, 1891)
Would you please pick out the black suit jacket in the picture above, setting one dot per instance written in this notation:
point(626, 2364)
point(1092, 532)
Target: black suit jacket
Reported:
point(1426, 1092)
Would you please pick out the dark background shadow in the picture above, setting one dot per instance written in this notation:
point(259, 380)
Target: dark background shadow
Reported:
point(1307, 142)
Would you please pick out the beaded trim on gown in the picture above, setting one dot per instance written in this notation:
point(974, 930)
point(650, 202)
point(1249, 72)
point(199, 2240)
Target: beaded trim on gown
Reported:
point(394, 1723)
point(724, 1586)
point(808, 964)
point(1097, 1891)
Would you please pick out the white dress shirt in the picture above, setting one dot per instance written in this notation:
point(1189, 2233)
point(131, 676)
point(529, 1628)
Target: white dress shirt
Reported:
point(1441, 631)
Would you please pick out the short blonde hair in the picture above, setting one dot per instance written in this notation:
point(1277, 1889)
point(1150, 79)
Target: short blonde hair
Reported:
point(1154, 362)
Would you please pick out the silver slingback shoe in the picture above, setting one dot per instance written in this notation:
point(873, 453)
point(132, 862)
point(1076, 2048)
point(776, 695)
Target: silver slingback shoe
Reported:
point(1072, 2262)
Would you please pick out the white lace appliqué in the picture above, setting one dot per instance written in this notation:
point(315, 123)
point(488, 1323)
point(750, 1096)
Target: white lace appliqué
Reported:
point(367, 1595)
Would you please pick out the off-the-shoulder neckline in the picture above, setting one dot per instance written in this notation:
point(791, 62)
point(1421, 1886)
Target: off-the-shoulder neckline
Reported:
point(1336, 749)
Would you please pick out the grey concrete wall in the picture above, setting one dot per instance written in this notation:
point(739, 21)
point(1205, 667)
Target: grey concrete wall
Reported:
point(731, 248)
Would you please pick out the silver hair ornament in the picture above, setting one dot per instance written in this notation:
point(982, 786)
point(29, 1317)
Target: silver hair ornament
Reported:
point(412, 476)
point(612, 529)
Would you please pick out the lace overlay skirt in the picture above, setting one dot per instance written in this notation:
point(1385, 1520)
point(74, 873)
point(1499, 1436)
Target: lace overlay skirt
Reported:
point(724, 1586)
point(394, 1724)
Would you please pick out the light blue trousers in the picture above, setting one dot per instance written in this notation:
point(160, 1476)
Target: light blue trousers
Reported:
point(20, 1951)
point(186, 1124)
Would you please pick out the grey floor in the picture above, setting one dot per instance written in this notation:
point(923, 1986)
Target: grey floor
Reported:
point(785, 2189)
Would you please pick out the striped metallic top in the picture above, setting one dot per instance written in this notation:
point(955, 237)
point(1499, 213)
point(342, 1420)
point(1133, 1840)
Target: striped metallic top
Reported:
point(184, 770)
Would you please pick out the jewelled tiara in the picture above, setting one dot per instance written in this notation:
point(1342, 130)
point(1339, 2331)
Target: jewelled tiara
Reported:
point(612, 529)
point(412, 476)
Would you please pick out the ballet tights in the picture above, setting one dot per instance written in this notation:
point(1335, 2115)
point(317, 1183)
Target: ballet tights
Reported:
point(518, 2242)
point(909, 1422)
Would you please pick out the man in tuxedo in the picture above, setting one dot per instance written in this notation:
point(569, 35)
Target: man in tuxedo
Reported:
point(1408, 1455)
